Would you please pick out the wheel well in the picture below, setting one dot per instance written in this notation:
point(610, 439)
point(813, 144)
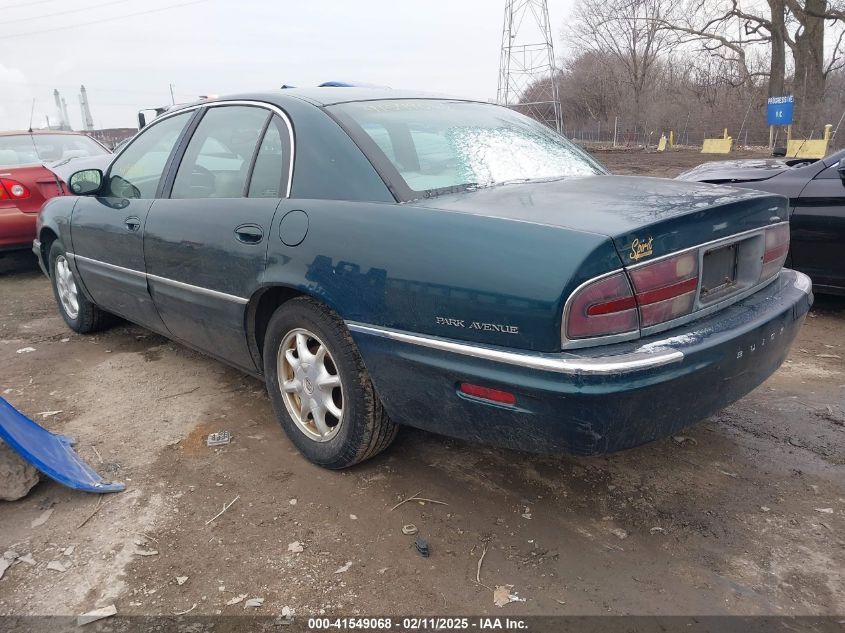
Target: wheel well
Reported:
point(262, 309)
point(47, 238)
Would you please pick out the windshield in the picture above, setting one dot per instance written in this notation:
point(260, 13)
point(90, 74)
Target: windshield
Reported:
point(433, 146)
point(28, 149)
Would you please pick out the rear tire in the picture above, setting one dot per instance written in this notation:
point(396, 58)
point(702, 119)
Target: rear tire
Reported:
point(79, 313)
point(325, 400)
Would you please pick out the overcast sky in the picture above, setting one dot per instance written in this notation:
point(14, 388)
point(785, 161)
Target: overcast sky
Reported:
point(127, 52)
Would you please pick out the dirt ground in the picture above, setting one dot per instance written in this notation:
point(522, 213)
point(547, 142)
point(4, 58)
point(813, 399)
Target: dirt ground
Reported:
point(744, 514)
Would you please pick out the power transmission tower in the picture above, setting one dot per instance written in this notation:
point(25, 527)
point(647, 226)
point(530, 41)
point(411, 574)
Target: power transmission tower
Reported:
point(527, 71)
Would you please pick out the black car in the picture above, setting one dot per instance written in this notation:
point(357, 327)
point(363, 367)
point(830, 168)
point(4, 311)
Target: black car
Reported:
point(816, 192)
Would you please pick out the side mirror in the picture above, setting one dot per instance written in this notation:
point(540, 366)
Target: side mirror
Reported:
point(86, 182)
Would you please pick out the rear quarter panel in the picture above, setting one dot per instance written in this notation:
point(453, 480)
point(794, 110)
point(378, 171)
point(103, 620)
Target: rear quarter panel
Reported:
point(439, 273)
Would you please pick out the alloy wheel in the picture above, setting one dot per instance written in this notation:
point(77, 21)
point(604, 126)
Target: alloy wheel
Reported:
point(311, 385)
point(65, 284)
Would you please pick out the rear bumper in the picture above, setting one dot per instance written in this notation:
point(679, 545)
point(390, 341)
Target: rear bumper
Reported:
point(17, 229)
point(597, 400)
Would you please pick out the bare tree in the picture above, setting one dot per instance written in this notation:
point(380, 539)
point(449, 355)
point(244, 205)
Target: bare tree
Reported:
point(627, 32)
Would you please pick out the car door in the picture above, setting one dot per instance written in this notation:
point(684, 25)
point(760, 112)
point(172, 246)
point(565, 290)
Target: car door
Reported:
point(106, 230)
point(818, 229)
point(205, 244)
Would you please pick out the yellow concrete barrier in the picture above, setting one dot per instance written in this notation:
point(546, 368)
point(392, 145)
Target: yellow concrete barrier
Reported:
point(717, 145)
point(809, 149)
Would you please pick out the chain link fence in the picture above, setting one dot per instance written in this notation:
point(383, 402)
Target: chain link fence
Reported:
point(626, 134)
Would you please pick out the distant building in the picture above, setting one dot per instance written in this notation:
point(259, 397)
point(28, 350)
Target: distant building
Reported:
point(113, 135)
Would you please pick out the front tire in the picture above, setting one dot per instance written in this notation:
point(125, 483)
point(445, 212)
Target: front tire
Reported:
point(78, 312)
point(320, 390)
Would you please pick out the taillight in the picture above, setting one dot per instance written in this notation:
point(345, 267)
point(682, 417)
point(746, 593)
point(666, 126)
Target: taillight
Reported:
point(12, 189)
point(605, 306)
point(666, 289)
point(662, 291)
point(777, 246)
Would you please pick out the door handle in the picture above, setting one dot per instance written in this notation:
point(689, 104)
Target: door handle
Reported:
point(249, 233)
point(132, 223)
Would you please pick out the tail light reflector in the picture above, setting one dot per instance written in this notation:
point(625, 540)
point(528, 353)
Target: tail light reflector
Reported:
point(666, 289)
point(12, 190)
point(603, 307)
point(777, 247)
point(486, 393)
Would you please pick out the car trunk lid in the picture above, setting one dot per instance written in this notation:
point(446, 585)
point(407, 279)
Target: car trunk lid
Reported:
point(645, 217)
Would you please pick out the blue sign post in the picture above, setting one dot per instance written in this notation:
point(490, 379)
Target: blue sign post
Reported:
point(779, 110)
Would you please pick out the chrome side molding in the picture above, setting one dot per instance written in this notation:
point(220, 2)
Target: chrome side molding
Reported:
point(164, 280)
point(601, 365)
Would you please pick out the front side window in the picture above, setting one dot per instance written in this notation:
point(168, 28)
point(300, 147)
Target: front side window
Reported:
point(434, 146)
point(217, 161)
point(137, 171)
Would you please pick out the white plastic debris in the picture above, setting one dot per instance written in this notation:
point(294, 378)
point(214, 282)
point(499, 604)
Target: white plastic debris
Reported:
point(295, 547)
point(181, 580)
point(253, 603)
point(825, 510)
point(49, 414)
point(96, 614)
point(221, 438)
point(236, 600)
point(292, 502)
point(42, 518)
point(25, 350)
point(504, 594)
point(6, 561)
point(343, 568)
point(146, 552)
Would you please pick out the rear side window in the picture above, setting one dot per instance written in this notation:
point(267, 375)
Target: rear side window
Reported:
point(137, 171)
point(28, 149)
point(268, 175)
point(217, 160)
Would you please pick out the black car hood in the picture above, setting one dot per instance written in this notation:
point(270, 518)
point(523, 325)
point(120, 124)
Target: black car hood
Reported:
point(747, 170)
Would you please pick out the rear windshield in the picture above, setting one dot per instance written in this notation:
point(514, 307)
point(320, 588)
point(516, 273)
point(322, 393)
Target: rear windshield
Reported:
point(436, 146)
point(28, 149)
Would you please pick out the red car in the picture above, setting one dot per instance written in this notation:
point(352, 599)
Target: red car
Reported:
point(27, 179)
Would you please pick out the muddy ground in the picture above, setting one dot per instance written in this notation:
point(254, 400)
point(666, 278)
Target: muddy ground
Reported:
point(743, 515)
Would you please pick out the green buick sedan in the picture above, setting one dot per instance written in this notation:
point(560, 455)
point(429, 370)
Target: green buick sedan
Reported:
point(384, 258)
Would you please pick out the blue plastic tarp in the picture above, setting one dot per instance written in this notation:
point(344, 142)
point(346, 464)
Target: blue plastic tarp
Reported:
point(52, 454)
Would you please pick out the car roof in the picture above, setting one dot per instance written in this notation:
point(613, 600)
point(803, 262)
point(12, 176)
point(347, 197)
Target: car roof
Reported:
point(328, 95)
